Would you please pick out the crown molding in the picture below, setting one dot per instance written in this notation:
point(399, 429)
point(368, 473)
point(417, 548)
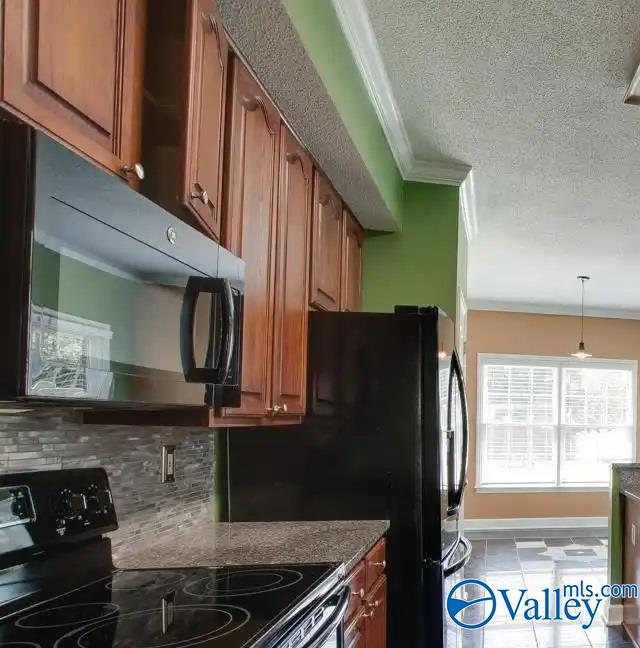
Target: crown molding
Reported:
point(356, 26)
point(468, 206)
point(358, 31)
point(550, 309)
point(437, 172)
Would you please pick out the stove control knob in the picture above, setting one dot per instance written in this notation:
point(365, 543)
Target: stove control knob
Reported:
point(70, 505)
point(99, 499)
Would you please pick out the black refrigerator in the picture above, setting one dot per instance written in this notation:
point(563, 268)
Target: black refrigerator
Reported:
point(385, 437)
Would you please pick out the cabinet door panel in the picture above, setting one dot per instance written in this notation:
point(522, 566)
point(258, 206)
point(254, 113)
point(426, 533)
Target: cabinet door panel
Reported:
point(205, 117)
point(352, 240)
point(249, 220)
point(376, 624)
point(327, 245)
point(75, 68)
point(631, 565)
point(292, 269)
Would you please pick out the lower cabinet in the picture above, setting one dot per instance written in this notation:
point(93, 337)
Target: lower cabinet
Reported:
point(366, 617)
point(631, 565)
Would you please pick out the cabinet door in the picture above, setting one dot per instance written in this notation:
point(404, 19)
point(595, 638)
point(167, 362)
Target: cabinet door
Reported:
point(253, 143)
point(204, 142)
point(292, 271)
point(354, 635)
point(376, 614)
point(352, 240)
point(631, 574)
point(74, 68)
point(326, 254)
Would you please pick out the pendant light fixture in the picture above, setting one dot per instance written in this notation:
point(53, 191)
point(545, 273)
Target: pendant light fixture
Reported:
point(582, 353)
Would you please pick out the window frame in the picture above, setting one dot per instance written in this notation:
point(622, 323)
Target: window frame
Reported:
point(559, 362)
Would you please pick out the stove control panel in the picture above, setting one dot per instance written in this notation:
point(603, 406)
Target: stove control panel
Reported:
point(41, 509)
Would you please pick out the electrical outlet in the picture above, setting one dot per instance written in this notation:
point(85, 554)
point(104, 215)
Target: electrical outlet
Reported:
point(168, 463)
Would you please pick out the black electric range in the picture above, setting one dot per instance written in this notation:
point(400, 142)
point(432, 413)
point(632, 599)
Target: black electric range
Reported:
point(58, 587)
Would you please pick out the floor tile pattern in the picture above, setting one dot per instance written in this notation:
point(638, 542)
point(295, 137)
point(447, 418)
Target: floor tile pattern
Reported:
point(535, 560)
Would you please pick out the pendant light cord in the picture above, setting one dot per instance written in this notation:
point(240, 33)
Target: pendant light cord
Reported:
point(582, 314)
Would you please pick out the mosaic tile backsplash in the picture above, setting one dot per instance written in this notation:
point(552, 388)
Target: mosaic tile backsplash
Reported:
point(147, 509)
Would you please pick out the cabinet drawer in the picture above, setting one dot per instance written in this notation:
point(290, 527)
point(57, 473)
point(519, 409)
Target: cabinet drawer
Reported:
point(355, 631)
point(357, 583)
point(376, 563)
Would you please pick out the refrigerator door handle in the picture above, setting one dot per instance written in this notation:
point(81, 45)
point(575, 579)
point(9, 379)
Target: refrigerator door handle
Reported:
point(450, 569)
point(456, 372)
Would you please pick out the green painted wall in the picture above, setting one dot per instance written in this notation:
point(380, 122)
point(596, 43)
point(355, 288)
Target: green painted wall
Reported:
point(321, 34)
point(418, 265)
point(69, 286)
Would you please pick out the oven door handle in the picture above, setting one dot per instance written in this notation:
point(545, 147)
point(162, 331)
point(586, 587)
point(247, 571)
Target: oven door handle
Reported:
point(331, 625)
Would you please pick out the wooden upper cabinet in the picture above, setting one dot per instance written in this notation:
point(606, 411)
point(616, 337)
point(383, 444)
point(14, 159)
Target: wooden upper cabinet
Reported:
point(185, 85)
point(204, 140)
point(352, 241)
point(292, 270)
point(74, 68)
point(250, 201)
point(326, 254)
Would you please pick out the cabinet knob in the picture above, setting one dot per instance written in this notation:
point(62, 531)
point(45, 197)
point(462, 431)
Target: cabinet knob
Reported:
point(382, 564)
point(136, 169)
point(359, 593)
point(200, 193)
point(275, 409)
point(369, 615)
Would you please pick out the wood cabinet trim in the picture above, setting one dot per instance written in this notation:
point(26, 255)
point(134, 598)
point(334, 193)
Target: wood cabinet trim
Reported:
point(291, 363)
point(243, 90)
point(202, 200)
point(351, 273)
point(113, 144)
point(325, 272)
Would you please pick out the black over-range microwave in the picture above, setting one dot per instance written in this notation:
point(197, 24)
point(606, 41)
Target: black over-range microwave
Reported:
point(105, 298)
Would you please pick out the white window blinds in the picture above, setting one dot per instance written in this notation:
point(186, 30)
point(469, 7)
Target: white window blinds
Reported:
point(546, 422)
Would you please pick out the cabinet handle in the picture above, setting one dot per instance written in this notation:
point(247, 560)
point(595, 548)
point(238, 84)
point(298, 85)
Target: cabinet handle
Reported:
point(359, 593)
point(374, 605)
point(369, 615)
point(382, 564)
point(200, 193)
point(278, 409)
point(136, 169)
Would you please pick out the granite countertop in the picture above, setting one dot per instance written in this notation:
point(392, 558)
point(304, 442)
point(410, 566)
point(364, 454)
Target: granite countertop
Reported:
point(218, 544)
point(628, 478)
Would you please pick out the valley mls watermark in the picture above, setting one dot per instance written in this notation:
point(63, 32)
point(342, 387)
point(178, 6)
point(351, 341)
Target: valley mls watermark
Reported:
point(472, 603)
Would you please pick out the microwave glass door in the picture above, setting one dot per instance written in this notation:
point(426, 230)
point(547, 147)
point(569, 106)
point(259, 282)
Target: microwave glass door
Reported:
point(109, 299)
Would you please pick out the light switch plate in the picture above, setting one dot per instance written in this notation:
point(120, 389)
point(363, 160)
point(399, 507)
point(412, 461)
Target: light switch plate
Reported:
point(168, 463)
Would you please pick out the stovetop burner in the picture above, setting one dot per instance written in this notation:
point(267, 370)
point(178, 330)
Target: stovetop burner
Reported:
point(181, 627)
point(144, 579)
point(244, 582)
point(63, 616)
point(229, 607)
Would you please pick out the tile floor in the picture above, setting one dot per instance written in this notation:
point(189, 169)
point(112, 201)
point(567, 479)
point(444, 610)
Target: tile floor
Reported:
point(536, 560)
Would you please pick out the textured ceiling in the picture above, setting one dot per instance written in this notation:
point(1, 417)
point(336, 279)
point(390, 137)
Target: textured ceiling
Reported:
point(264, 34)
point(530, 93)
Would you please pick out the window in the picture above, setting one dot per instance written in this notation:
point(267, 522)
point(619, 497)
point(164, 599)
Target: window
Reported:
point(553, 422)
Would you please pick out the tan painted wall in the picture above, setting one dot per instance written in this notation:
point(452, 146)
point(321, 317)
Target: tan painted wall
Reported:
point(528, 334)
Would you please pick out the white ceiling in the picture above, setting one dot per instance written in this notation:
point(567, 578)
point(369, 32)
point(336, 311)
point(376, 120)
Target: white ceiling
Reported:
point(530, 94)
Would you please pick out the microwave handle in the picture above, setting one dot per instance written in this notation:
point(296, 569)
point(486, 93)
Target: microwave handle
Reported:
point(195, 286)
